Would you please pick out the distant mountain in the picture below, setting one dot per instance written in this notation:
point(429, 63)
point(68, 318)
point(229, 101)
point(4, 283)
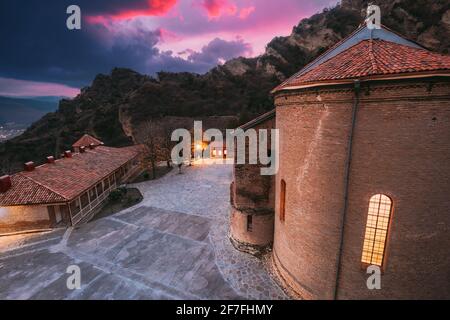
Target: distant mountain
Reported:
point(116, 107)
point(25, 111)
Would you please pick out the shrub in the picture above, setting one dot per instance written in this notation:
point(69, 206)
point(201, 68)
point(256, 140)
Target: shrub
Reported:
point(129, 200)
point(117, 195)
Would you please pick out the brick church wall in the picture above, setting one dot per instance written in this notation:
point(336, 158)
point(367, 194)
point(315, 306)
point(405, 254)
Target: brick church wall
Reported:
point(401, 148)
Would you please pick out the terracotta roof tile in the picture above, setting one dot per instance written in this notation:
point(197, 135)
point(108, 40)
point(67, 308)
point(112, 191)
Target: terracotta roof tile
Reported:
point(26, 191)
point(86, 141)
point(68, 177)
point(371, 58)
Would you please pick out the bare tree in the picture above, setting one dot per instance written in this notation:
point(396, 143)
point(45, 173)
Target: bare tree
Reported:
point(149, 138)
point(167, 144)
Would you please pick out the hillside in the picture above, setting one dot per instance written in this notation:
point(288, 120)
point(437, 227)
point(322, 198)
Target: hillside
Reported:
point(116, 107)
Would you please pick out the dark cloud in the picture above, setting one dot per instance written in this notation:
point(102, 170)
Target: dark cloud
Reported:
point(219, 49)
point(113, 7)
point(37, 46)
point(126, 9)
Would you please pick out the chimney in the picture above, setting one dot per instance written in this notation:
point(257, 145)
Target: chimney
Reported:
point(50, 159)
point(29, 166)
point(92, 146)
point(82, 149)
point(68, 154)
point(5, 183)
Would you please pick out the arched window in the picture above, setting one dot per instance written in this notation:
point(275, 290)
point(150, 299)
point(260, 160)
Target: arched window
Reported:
point(378, 219)
point(282, 200)
point(249, 223)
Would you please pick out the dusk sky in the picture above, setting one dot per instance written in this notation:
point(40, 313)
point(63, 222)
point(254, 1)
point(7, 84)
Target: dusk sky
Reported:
point(41, 57)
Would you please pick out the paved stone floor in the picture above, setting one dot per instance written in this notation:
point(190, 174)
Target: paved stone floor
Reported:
point(173, 245)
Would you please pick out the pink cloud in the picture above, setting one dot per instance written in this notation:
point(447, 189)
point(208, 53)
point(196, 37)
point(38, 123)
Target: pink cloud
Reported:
point(216, 8)
point(168, 36)
point(23, 88)
point(195, 23)
point(154, 8)
point(245, 12)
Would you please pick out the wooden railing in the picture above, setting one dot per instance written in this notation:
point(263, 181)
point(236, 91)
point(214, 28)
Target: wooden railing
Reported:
point(91, 206)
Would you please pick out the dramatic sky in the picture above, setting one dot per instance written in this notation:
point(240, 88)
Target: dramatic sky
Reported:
point(39, 56)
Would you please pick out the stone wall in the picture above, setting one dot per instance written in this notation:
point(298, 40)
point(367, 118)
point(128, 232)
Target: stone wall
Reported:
point(401, 148)
point(21, 218)
point(252, 194)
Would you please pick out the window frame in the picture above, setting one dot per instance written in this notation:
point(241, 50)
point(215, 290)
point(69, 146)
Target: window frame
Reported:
point(84, 200)
point(249, 223)
point(93, 194)
point(387, 229)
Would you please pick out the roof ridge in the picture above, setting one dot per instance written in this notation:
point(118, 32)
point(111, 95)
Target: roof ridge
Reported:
point(339, 54)
point(330, 49)
point(42, 185)
point(88, 137)
point(372, 57)
point(337, 44)
point(353, 36)
point(258, 119)
point(333, 47)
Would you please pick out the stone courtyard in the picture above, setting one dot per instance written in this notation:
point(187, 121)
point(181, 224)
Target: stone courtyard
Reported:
point(172, 245)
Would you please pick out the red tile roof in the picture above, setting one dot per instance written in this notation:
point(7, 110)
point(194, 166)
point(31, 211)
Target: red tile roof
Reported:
point(67, 178)
point(371, 59)
point(86, 141)
point(27, 191)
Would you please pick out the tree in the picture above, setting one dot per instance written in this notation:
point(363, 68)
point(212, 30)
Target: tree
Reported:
point(148, 137)
point(167, 144)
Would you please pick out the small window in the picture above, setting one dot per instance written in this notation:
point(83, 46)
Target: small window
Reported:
point(92, 194)
point(249, 223)
point(51, 211)
point(75, 206)
point(99, 188)
point(214, 152)
point(106, 183)
point(378, 220)
point(84, 200)
point(58, 217)
point(282, 200)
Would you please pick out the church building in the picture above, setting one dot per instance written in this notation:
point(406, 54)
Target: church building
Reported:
point(364, 175)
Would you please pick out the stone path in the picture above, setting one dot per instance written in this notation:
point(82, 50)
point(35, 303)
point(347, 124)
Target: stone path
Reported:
point(173, 245)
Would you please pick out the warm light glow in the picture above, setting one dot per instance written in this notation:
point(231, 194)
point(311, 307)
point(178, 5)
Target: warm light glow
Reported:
point(214, 153)
point(380, 208)
point(198, 146)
